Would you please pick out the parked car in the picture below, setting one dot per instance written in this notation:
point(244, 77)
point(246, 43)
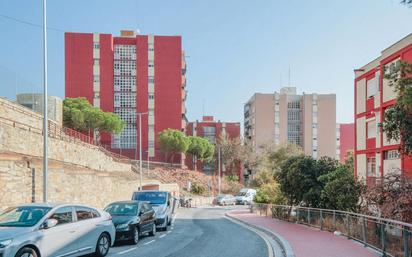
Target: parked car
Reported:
point(162, 203)
point(132, 219)
point(48, 230)
point(225, 200)
point(245, 196)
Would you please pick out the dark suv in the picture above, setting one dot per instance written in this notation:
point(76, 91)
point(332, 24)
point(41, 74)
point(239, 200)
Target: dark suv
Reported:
point(132, 219)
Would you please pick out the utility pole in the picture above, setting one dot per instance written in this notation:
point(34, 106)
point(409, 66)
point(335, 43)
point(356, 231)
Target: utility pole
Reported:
point(219, 178)
point(45, 108)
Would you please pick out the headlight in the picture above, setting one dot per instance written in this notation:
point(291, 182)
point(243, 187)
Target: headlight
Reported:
point(122, 226)
point(5, 243)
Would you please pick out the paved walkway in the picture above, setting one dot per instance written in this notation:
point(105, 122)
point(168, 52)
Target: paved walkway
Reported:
point(306, 241)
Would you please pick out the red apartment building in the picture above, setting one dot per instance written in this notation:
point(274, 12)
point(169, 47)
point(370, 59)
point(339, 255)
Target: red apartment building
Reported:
point(212, 130)
point(346, 140)
point(375, 156)
point(128, 75)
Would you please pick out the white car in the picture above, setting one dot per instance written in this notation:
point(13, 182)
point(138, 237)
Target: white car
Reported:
point(245, 196)
point(51, 230)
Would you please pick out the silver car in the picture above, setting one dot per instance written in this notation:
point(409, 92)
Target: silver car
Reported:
point(45, 230)
point(225, 200)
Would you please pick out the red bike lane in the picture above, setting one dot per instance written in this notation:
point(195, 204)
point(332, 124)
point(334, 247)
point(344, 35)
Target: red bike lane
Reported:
point(306, 241)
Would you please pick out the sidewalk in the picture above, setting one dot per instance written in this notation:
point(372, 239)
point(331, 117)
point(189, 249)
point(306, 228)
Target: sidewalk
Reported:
point(306, 241)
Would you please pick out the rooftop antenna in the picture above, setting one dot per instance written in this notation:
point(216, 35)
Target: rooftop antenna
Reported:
point(289, 76)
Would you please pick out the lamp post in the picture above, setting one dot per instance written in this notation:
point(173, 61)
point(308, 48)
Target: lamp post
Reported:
point(140, 147)
point(219, 179)
point(45, 118)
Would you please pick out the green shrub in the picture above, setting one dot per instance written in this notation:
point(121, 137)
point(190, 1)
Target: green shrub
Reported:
point(232, 178)
point(198, 189)
point(269, 193)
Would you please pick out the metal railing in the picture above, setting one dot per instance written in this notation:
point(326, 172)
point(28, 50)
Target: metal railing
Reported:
point(390, 237)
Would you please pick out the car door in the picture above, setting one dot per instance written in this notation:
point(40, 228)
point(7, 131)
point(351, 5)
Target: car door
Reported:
point(144, 218)
point(60, 240)
point(151, 215)
point(88, 228)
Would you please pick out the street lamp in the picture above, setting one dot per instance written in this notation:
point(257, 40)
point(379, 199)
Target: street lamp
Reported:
point(140, 147)
point(219, 179)
point(45, 120)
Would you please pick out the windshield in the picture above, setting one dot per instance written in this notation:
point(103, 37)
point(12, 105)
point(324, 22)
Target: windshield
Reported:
point(25, 216)
point(126, 209)
point(151, 197)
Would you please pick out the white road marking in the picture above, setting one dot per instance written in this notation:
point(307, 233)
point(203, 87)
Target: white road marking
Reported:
point(162, 236)
point(169, 232)
point(126, 251)
point(149, 242)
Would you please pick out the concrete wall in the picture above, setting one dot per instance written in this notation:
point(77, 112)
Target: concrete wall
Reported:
point(78, 172)
point(21, 181)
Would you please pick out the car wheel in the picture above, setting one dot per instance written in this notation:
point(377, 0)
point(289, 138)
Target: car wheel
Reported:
point(26, 252)
point(135, 236)
point(169, 222)
point(103, 245)
point(153, 232)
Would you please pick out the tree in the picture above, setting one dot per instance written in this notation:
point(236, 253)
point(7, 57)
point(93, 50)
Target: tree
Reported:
point(173, 142)
point(398, 118)
point(392, 198)
point(341, 191)
point(80, 115)
point(230, 152)
point(407, 2)
point(298, 178)
point(200, 148)
point(277, 156)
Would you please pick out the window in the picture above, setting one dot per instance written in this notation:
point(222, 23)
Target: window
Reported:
point(96, 78)
point(371, 129)
point(151, 46)
point(151, 96)
point(151, 63)
point(63, 215)
point(96, 45)
point(151, 79)
point(83, 213)
point(151, 144)
point(371, 166)
point(391, 155)
point(96, 62)
point(371, 88)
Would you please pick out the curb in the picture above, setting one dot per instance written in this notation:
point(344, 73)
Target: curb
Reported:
point(284, 244)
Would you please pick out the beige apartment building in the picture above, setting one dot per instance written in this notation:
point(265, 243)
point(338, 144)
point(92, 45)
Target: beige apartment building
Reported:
point(307, 120)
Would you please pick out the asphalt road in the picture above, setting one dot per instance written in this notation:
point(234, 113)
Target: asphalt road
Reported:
point(198, 232)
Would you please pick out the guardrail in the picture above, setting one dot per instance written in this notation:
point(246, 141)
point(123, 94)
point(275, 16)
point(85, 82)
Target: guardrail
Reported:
point(390, 237)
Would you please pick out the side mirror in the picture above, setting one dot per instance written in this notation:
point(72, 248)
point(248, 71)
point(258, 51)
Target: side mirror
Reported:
point(141, 212)
point(168, 203)
point(50, 223)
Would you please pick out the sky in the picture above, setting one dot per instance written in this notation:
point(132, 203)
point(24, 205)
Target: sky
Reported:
point(234, 48)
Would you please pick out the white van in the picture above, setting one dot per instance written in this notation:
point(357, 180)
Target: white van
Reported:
point(245, 196)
